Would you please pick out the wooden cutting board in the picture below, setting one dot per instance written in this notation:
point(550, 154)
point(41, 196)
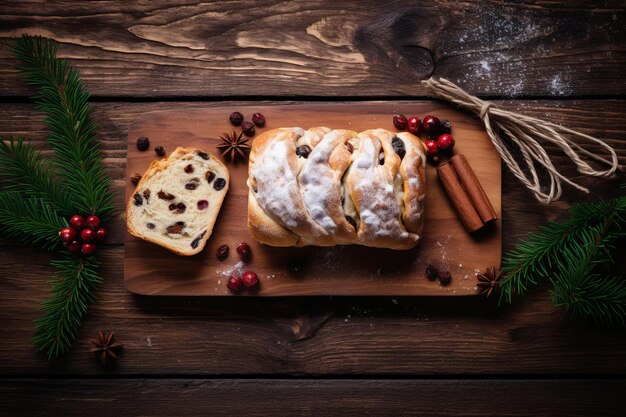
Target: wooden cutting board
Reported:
point(342, 270)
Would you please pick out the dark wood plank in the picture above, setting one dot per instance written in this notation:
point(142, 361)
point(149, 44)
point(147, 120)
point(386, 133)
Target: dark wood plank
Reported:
point(314, 336)
point(280, 397)
point(325, 48)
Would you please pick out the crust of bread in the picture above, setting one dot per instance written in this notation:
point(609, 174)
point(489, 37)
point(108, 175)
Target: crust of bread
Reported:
point(390, 195)
point(161, 165)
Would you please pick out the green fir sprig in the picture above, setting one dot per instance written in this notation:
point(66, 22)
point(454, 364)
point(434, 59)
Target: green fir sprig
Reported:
point(576, 256)
point(38, 194)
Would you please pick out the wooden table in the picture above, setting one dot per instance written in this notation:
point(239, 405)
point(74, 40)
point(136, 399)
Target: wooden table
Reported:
point(318, 356)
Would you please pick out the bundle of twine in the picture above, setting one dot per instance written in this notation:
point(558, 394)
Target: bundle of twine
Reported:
point(527, 133)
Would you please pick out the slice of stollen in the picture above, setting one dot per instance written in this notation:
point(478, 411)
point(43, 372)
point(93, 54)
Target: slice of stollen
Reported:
point(177, 201)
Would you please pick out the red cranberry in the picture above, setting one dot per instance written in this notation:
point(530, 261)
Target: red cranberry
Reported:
point(243, 249)
point(235, 283)
point(399, 121)
point(431, 125)
point(88, 248)
point(67, 234)
point(77, 222)
point(101, 233)
point(203, 204)
point(222, 252)
point(247, 128)
point(73, 247)
point(93, 222)
point(432, 149)
point(250, 279)
point(445, 278)
point(445, 143)
point(236, 118)
point(88, 235)
point(258, 119)
point(413, 125)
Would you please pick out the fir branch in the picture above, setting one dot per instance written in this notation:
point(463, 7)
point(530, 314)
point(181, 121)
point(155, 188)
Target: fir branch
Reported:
point(30, 220)
point(23, 169)
point(587, 294)
point(65, 102)
point(74, 285)
point(535, 258)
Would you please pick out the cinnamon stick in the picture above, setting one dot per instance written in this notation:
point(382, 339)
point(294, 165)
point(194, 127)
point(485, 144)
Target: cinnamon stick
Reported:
point(459, 199)
point(473, 189)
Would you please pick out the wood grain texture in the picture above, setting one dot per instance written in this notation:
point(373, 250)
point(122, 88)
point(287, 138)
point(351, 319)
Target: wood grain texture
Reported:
point(341, 270)
point(320, 48)
point(314, 335)
point(281, 397)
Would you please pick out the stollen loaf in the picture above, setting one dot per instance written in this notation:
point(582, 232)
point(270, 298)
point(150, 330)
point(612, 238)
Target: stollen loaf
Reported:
point(176, 203)
point(327, 187)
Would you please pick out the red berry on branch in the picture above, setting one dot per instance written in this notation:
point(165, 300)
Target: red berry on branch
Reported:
point(88, 235)
point(258, 119)
point(93, 222)
point(399, 121)
point(413, 125)
point(67, 234)
point(431, 125)
point(243, 249)
point(88, 248)
point(432, 149)
point(77, 222)
point(101, 233)
point(445, 143)
point(235, 283)
point(73, 247)
point(250, 279)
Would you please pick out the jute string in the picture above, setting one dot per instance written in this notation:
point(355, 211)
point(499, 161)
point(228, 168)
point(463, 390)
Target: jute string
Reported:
point(527, 133)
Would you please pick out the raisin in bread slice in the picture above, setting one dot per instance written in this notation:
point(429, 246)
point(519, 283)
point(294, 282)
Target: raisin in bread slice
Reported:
point(177, 201)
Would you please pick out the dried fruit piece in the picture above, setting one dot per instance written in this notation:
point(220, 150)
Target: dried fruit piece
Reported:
point(432, 273)
point(191, 185)
point(138, 199)
point(160, 150)
point(178, 208)
point(445, 278)
point(446, 126)
point(247, 128)
point(210, 176)
point(176, 228)
point(398, 146)
point(400, 121)
point(236, 118)
point(150, 225)
point(165, 196)
point(350, 220)
point(303, 151)
point(135, 178)
point(350, 147)
point(189, 169)
point(146, 194)
point(196, 241)
point(250, 279)
point(244, 251)
point(203, 155)
point(258, 119)
point(222, 252)
point(203, 205)
point(219, 184)
point(143, 143)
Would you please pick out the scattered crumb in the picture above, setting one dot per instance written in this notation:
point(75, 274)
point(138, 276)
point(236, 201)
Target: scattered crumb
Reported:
point(394, 301)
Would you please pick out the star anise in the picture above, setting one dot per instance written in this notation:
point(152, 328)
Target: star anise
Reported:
point(234, 145)
point(489, 280)
point(106, 346)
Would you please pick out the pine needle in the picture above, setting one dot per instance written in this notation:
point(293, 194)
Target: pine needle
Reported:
point(24, 169)
point(30, 220)
point(61, 96)
point(73, 287)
